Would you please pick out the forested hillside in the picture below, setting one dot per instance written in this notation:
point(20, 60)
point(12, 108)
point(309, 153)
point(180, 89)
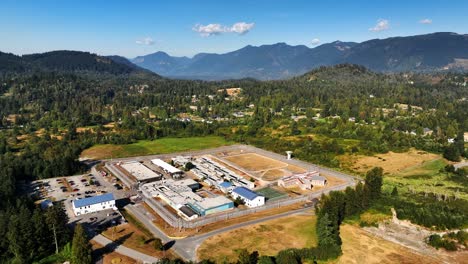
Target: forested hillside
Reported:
point(51, 112)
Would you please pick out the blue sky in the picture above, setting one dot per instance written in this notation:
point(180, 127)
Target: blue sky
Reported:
point(184, 28)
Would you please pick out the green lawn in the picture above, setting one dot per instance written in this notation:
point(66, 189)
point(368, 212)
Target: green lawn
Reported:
point(159, 146)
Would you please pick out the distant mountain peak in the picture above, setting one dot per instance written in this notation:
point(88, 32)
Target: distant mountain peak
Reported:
point(435, 51)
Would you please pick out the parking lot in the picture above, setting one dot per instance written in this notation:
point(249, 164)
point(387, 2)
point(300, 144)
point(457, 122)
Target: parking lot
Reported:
point(63, 188)
point(67, 189)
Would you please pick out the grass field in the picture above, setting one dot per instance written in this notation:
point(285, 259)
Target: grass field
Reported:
point(267, 238)
point(427, 177)
point(158, 146)
point(362, 247)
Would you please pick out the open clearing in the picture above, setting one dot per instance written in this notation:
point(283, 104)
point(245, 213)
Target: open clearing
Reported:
point(361, 247)
point(391, 162)
point(428, 178)
point(148, 147)
point(267, 238)
point(265, 168)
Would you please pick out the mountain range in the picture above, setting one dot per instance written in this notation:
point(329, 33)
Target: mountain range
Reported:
point(431, 52)
point(70, 61)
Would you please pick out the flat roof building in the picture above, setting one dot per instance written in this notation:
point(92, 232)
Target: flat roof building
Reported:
point(250, 198)
point(180, 196)
point(140, 171)
point(168, 168)
point(94, 204)
point(305, 181)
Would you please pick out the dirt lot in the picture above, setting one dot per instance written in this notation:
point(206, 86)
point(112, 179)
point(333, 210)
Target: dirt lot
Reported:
point(255, 162)
point(391, 162)
point(361, 247)
point(268, 238)
point(265, 168)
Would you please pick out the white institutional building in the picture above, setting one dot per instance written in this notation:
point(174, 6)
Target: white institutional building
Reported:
point(251, 198)
point(94, 204)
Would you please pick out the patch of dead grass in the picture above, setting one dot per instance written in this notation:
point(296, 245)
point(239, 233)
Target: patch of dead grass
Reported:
point(391, 162)
point(268, 238)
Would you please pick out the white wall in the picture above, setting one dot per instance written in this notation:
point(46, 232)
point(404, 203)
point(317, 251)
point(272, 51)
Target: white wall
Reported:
point(258, 201)
point(94, 208)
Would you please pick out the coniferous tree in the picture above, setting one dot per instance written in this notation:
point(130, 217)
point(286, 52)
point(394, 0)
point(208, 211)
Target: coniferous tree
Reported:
point(81, 249)
point(374, 181)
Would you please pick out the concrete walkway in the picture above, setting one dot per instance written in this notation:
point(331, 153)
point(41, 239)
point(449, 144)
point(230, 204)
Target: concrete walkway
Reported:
point(102, 240)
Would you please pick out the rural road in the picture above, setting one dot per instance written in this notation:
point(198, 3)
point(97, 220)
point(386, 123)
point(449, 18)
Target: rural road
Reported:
point(186, 248)
point(100, 239)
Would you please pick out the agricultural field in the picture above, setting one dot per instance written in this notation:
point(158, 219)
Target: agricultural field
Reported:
point(360, 246)
point(158, 146)
point(267, 238)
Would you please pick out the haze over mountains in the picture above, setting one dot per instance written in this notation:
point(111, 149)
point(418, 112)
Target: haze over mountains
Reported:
point(430, 52)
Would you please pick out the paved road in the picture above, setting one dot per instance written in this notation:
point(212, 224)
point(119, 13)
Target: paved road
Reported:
point(186, 248)
point(124, 250)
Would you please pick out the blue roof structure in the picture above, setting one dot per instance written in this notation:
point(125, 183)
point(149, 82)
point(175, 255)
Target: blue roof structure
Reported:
point(94, 200)
point(46, 204)
point(225, 184)
point(246, 193)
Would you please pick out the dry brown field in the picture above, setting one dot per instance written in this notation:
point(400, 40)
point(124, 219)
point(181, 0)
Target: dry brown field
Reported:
point(361, 247)
point(267, 238)
point(391, 162)
point(264, 168)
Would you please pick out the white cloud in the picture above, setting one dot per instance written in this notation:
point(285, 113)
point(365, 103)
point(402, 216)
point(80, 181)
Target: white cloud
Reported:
point(209, 30)
point(145, 41)
point(315, 41)
point(240, 28)
point(425, 21)
point(382, 24)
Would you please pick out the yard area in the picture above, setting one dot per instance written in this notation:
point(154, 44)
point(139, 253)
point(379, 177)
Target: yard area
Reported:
point(255, 162)
point(158, 146)
point(265, 168)
point(267, 238)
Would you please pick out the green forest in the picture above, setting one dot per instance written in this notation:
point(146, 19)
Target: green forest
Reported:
point(50, 114)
